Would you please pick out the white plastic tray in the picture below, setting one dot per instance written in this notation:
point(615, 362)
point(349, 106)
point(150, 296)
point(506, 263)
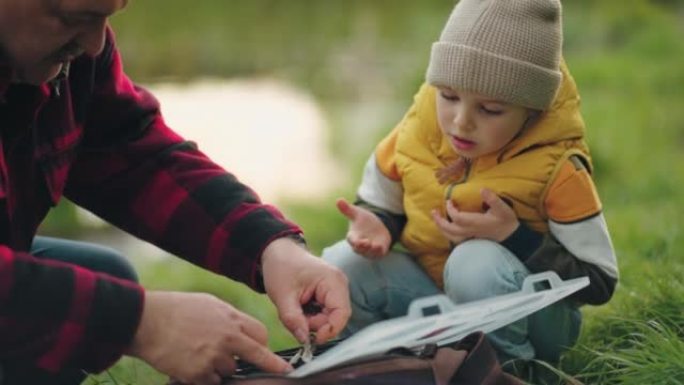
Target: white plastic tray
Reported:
point(436, 319)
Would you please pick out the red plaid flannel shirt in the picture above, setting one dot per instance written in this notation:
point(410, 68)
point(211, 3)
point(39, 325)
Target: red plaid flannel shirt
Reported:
point(98, 139)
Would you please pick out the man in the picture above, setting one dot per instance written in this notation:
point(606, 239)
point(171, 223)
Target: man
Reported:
point(73, 124)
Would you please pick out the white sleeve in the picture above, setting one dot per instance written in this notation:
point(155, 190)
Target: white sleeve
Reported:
point(380, 191)
point(589, 241)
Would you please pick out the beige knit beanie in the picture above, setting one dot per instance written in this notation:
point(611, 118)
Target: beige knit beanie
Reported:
point(508, 50)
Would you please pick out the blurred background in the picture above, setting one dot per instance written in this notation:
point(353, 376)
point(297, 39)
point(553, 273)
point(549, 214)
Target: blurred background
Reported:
point(292, 97)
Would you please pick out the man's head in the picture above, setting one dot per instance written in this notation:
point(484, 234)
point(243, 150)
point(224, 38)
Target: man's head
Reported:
point(508, 50)
point(38, 36)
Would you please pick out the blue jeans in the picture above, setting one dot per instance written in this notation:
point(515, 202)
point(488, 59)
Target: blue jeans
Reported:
point(475, 269)
point(90, 256)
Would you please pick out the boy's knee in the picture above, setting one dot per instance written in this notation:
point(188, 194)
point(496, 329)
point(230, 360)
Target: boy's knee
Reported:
point(342, 256)
point(474, 259)
point(337, 253)
point(352, 265)
point(480, 268)
point(366, 287)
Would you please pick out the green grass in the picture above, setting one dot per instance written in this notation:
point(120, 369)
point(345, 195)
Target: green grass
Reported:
point(639, 338)
point(626, 57)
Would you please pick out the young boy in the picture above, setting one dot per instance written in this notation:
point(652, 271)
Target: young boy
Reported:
point(485, 181)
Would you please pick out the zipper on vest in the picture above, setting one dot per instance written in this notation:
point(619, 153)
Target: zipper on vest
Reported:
point(450, 189)
point(464, 178)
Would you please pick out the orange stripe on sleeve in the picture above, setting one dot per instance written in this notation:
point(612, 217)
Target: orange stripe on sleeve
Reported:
point(572, 196)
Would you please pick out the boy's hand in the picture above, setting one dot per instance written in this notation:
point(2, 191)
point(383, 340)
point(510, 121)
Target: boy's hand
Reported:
point(367, 235)
point(497, 223)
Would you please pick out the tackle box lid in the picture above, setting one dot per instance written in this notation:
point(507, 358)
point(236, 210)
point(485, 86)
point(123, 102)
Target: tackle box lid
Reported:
point(437, 320)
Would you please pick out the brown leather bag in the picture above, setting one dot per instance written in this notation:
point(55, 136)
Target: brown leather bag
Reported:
point(471, 361)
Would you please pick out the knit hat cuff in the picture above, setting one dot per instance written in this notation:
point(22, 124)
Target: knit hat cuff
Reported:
point(503, 78)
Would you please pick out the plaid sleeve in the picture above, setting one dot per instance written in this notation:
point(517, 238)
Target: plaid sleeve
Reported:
point(136, 173)
point(58, 315)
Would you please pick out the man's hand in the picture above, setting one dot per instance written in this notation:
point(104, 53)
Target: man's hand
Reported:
point(195, 338)
point(367, 235)
point(497, 223)
point(293, 277)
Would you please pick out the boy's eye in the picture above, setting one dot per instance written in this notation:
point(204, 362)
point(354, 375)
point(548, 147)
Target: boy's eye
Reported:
point(491, 111)
point(451, 97)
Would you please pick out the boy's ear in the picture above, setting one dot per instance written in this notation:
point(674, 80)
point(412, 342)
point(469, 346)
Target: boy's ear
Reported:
point(532, 117)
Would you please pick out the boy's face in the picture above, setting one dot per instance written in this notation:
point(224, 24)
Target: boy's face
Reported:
point(476, 125)
point(38, 36)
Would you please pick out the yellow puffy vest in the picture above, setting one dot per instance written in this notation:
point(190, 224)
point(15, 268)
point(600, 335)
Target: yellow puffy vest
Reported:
point(520, 173)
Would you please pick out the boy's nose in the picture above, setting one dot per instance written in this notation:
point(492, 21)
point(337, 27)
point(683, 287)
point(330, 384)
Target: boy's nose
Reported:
point(463, 123)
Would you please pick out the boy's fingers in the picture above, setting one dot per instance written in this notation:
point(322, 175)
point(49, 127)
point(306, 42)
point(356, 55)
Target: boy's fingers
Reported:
point(494, 202)
point(439, 220)
point(454, 229)
point(358, 245)
point(452, 211)
point(346, 209)
point(443, 225)
point(365, 247)
point(381, 250)
point(354, 240)
point(467, 220)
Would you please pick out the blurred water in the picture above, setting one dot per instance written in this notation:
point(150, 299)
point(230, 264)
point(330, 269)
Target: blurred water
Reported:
point(270, 135)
